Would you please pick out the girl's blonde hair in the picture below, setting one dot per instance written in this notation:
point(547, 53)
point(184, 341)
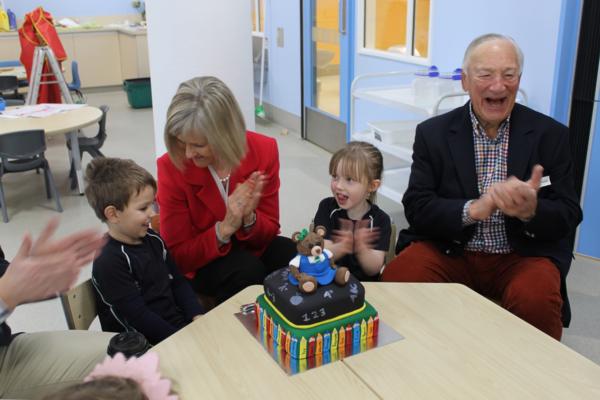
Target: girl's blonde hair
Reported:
point(360, 161)
point(205, 107)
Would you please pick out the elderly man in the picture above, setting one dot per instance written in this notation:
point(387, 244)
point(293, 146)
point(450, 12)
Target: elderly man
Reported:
point(491, 201)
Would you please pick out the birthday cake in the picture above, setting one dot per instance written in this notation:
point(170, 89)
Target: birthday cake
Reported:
point(330, 319)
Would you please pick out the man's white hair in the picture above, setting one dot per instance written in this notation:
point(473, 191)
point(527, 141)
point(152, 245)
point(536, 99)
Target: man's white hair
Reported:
point(488, 37)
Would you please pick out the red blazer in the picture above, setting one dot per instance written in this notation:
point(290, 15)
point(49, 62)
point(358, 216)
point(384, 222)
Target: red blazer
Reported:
point(190, 205)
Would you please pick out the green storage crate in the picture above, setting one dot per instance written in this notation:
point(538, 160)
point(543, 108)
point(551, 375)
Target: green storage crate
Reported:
point(139, 92)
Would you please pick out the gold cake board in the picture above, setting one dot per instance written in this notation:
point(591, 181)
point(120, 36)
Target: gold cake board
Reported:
point(292, 365)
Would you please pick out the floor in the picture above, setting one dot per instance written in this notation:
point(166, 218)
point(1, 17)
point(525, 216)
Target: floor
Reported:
point(304, 182)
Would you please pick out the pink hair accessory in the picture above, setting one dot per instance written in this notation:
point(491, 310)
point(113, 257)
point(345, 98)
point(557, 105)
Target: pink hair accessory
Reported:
point(143, 370)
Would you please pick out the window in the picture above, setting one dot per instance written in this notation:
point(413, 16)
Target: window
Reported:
point(396, 27)
point(258, 16)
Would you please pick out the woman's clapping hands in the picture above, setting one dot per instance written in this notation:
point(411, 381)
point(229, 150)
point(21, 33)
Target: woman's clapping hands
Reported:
point(242, 204)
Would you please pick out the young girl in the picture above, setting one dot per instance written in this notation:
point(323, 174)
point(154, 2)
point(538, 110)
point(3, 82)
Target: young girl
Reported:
point(358, 232)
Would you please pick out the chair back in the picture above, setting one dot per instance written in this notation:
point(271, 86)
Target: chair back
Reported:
point(76, 83)
point(9, 83)
point(22, 144)
point(10, 63)
point(79, 305)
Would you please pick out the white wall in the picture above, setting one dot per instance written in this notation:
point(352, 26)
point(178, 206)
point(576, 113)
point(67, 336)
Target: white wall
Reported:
point(189, 38)
point(534, 25)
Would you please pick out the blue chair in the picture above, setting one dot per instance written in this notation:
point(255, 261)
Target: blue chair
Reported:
point(10, 63)
point(75, 85)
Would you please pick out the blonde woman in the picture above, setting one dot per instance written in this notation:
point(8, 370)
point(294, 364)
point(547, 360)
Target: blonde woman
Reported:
point(218, 192)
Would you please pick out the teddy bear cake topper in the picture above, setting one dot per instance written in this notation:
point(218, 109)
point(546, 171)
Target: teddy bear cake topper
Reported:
point(314, 265)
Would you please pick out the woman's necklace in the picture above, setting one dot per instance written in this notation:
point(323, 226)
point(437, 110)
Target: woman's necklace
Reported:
point(225, 179)
point(224, 186)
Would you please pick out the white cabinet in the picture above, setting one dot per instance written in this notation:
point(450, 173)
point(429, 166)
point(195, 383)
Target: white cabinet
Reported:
point(97, 54)
point(134, 56)
point(10, 49)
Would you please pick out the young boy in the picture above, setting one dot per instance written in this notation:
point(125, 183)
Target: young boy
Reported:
point(138, 287)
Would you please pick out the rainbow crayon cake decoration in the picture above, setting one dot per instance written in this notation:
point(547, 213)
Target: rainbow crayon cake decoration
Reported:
point(330, 321)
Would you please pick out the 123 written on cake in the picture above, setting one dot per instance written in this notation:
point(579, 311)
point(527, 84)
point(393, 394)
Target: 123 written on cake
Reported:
point(312, 315)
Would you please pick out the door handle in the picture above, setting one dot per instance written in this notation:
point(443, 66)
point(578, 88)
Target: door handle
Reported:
point(342, 17)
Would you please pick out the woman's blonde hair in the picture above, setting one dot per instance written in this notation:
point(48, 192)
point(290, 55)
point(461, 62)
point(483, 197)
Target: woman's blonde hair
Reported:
point(206, 107)
point(360, 161)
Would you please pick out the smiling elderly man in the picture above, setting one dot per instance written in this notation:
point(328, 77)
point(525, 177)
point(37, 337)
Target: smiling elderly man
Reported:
point(491, 200)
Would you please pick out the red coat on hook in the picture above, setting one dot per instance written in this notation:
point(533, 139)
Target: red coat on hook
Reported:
point(38, 30)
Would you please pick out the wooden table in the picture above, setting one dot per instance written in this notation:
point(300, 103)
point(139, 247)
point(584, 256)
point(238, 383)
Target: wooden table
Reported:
point(67, 122)
point(458, 345)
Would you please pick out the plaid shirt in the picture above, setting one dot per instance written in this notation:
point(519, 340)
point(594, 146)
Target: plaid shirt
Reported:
point(491, 157)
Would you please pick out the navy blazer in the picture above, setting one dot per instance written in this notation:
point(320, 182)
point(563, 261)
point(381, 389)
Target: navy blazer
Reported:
point(443, 177)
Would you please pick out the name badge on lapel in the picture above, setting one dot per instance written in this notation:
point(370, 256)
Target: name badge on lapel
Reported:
point(545, 181)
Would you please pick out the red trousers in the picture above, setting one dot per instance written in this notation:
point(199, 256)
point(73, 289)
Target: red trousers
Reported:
point(528, 287)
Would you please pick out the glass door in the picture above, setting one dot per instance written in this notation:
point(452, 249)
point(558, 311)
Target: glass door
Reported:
point(327, 32)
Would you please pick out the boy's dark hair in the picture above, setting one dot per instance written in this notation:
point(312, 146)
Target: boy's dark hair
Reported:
point(112, 182)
